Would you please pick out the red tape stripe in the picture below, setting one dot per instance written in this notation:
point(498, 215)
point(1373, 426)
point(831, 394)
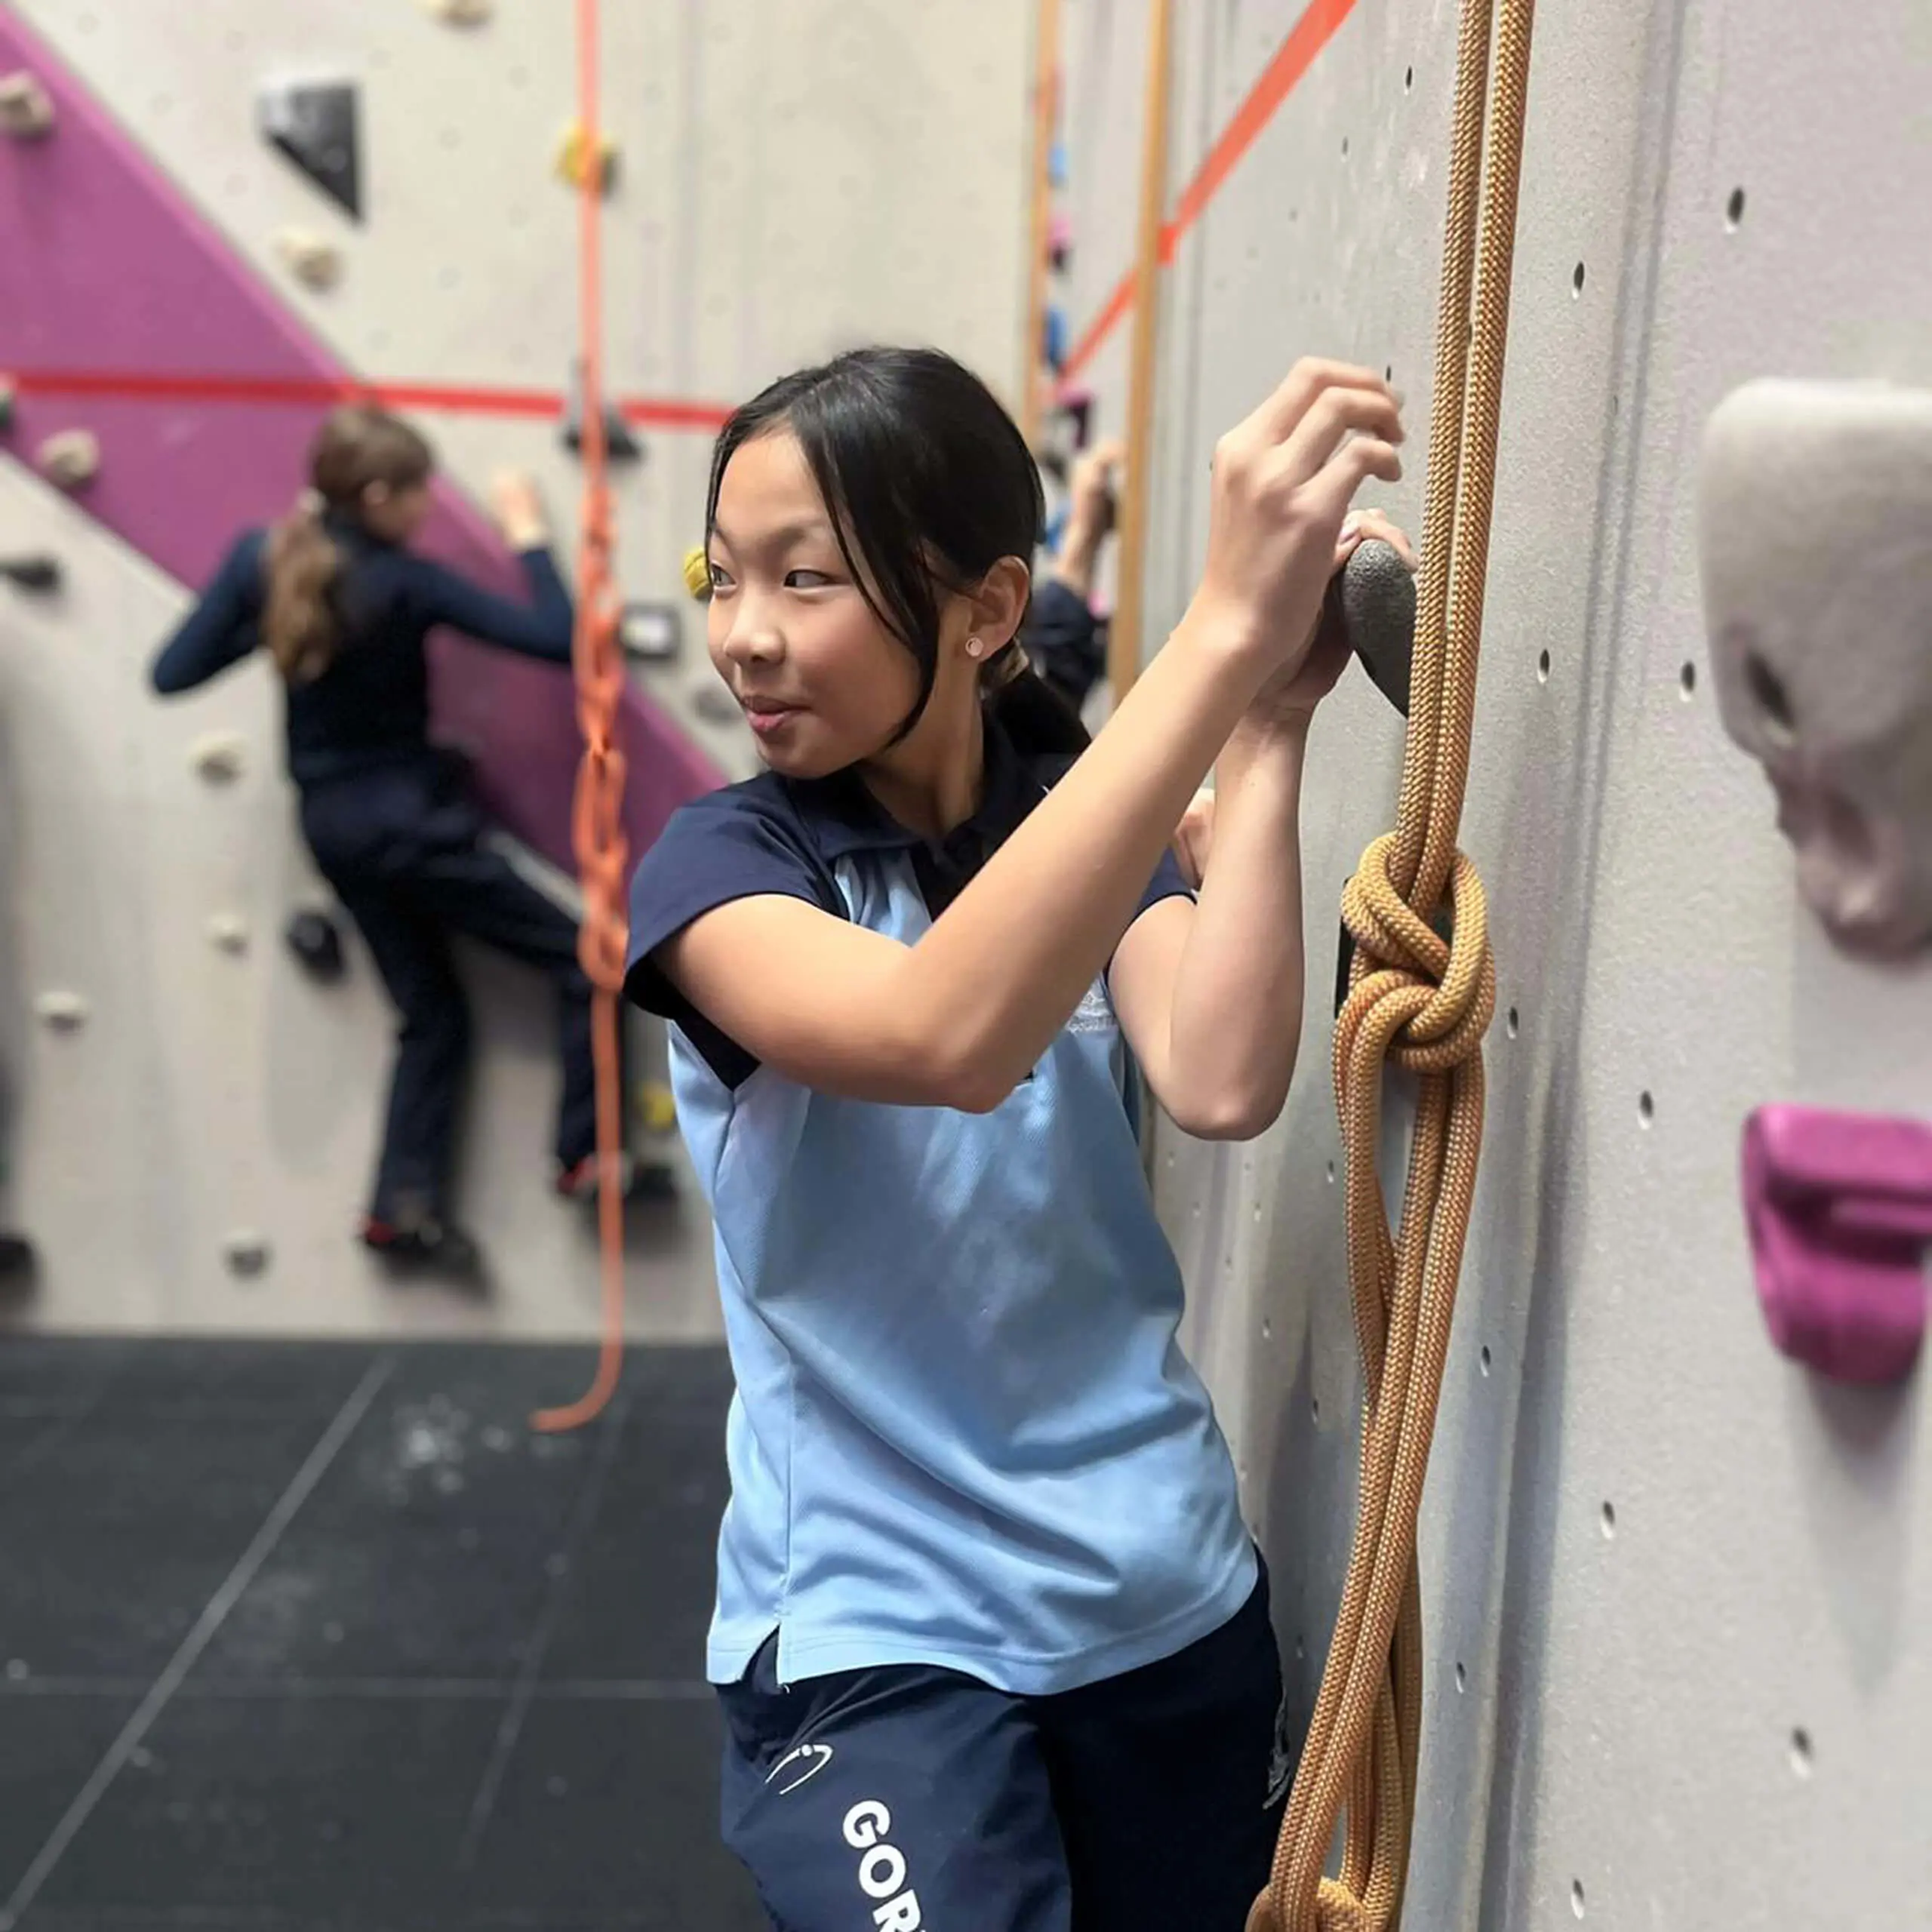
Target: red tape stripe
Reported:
point(312, 392)
point(1284, 74)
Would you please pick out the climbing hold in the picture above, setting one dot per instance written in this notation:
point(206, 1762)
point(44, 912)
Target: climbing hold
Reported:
point(574, 158)
point(620, 445)
point(697, 572)
point(1374, 597)
point(715, 705)
point(62, 1012)
point(71, 459)
point(314, 263)
point(649, 631)
point(218, 756)
point(1077, 406)
point(1056, 165)
point(1839, 1207)
point(26, 109)
point(39, 572)
point(9, 395)
point(1054, 344)
point(1815, 527)
point(247, 1255)
point(18, 1262)
point(657, 1106)
point(458, 13)
point(229, 932)
point(1060, 241)
point(313, 937)
point(314, 123)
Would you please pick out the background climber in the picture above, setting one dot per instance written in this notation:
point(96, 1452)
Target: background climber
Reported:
point(334, 594)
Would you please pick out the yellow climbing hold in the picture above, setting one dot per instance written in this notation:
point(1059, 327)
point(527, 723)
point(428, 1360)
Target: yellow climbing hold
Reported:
point(697, 572)
point(572, 158)
point(657, 1107)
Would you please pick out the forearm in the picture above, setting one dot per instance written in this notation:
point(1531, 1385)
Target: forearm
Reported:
point(1237, 1009)
point(1000, 970)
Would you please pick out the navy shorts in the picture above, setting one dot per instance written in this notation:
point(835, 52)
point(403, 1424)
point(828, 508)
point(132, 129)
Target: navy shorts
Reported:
point(909, 1798)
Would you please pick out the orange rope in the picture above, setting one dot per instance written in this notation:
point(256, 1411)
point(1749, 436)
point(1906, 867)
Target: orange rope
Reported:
point(597, 818)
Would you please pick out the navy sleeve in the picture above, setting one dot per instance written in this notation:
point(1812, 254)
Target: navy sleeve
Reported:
point(540, 629)
point(1062, 637)
point(727, 846)
point(223, 627)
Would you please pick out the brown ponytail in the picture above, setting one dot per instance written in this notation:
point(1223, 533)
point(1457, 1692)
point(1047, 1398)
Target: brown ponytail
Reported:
point(299, 622)
point(358, 446)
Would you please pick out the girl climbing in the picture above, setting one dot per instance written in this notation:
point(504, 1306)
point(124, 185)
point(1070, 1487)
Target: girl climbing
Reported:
point(992, 1641)
point(336, 596)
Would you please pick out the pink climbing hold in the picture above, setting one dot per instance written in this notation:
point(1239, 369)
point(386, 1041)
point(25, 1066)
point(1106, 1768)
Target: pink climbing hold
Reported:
point(1839, 1206)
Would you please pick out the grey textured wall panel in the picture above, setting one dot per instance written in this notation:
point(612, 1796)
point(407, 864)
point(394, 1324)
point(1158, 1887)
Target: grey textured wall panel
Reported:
point(1678, 1597)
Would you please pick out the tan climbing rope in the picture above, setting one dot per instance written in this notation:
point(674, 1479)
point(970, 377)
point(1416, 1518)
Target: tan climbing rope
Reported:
point(1421, 1003)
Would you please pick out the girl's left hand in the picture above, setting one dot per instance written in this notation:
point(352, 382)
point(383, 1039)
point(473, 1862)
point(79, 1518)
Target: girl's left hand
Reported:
point(1294, 697)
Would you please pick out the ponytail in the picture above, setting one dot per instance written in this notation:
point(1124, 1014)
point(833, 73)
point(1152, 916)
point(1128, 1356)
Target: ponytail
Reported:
point(1038, 720)
point(303, 562)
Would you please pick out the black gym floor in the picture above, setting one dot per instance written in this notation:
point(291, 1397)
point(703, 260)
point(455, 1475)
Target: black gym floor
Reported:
point(322, 1637)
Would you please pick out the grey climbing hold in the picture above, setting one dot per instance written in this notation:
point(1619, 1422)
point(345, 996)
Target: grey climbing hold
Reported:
point(651, 632)
point(620, 445)
point(458, 13)
point(70, 459)
point(1375, 599)
point(229, 932)
point(316, 944)
point(314, 123)
point(38, 574)
point(715, 705)
point(218, 756)
point(26, 109)
point(62, 1011)
point(314, 262)
point(247, 1255)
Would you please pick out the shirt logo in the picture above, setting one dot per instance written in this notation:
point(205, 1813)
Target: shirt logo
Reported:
point(799, 1766)
point(1095, 1013)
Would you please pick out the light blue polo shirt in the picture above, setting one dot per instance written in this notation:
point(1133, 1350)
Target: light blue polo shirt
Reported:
point(964, 1433)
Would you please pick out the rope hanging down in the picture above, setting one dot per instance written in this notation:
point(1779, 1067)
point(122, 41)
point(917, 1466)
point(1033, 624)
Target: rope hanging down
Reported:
point(597, 818)
point(1422, 1004)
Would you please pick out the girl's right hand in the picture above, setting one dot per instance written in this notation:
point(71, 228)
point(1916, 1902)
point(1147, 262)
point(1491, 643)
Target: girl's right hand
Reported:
point(518, 510)
point(1283, 482)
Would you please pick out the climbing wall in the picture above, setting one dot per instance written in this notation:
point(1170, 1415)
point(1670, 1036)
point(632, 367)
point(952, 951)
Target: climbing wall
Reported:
point(1679, 1590)
point(202, 1092)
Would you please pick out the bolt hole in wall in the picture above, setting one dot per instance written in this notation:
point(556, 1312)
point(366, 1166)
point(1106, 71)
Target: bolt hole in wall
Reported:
point(1542, 667)
point(1512, 1022)
point(1647, 1108)
point(1461, 1678)
point(1487, 1361)
point(1733, 210)
point(1687, 680)
point(1576, 279)
point(1608, 1519)
point(1577, 1897)
point(1408, 80)
point(1802, 1755)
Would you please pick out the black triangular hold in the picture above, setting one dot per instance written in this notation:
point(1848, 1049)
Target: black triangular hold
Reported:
point(38, 572)
point(620, 445)
point(315, 123)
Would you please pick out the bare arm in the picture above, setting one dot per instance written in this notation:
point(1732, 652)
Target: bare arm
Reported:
point(1210, 995)
point(960, 1018)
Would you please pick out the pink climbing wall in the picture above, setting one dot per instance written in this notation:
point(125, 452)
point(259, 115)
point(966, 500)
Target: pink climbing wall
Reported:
point(117, 300)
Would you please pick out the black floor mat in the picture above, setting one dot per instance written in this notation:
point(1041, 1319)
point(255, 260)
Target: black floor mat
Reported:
point(323, 1636)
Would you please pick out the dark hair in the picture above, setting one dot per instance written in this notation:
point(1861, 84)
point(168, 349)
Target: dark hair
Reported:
point(929, 484)
point(356, 446)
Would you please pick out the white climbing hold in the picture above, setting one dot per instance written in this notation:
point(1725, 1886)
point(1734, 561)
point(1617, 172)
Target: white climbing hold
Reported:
point(64, 1012)
point(26, 109)
point(247, 1255)
point(314, 263)
point(218, 756)
point(458, 13)
point(71, 459)
point(229, 933)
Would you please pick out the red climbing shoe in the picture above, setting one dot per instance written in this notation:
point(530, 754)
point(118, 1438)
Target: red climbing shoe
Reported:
point(638, 1181)
point(427, 1245)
